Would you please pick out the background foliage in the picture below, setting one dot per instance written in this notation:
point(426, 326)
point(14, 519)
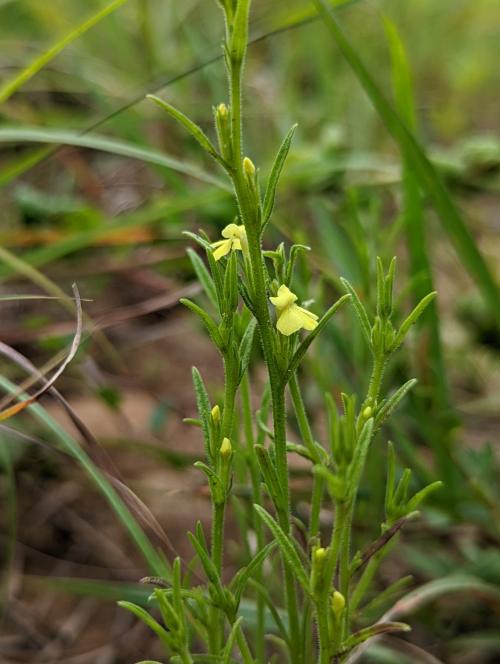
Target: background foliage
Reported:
point(108, 212)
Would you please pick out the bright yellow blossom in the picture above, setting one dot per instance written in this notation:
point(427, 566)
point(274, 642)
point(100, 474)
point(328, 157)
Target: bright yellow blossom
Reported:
point(236, 238)
point(291, 317)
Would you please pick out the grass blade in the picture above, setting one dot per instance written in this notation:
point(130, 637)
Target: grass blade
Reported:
point(103, 143)
point(28, 72)
point(428, 178)
point(154, 560)
point(420, 266)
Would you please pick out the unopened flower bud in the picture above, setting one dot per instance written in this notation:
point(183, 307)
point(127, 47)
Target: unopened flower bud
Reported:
point(367, 412)
point(215, 413)
point(319, 554)
point(226, 448)
point(338, 604)
point(222, 111)
point(248, 167)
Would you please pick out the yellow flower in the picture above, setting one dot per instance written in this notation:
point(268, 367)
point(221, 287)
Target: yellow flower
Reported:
point(291, 317)
point(236, 238)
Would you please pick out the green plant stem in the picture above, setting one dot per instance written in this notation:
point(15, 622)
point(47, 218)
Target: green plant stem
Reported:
point(379, 364)
point(323, 632)
point(218, 534)
point(344, 557)
point(342, 510)
point(244, 649)
point(236, 116)
point(251, 218)
point(230, 390)
point(308, 438)
point(260, 648)
point(219, 508)
point(367, 577)
point(318, 490)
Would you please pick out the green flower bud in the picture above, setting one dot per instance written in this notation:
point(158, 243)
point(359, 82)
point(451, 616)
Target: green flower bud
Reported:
point(215, 414)
point(337, 604)
point(226, 449)
point(367, 412)
point(248, 168)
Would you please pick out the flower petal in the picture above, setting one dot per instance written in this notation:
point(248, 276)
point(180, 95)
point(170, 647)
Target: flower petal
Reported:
point(290, 320)
point(223, 249)
point(309, 320)
point(284, 298)
point(233, 231)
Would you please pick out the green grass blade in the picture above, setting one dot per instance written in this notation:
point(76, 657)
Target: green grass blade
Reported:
point(114, 146)
point(158, 212)
point(420, 266)
point(428, 177)
point(109, 591)
point(69, 445)
point(34, 67)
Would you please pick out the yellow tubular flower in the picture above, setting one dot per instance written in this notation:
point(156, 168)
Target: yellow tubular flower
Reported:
point(291, 317)
point(236, 238)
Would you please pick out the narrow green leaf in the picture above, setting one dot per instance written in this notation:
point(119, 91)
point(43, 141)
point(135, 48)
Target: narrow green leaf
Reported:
point(374, 630)
point(391, 477)
point(401, 492)
point(207, 321)
point(203, 276)
point(286, 546)
point(203, 404)
point(274, 176)
point(146, 618)
point(421, 495)
point(307, 341)
point(360, 310)
point(270, 476)
point(390, 404)
point(411, 319)
point(429, 178)
point(241, 578)
point(208, 566)
point(177, 589)
point(361, 452)
point(170, 620)
point(103, 143)
point(228, 648)
point(198, 239)
point(246, 345)
point(195, 131)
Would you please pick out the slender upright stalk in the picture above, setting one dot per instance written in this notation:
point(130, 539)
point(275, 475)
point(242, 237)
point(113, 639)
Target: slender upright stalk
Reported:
point(250, 215)
point(260, 649)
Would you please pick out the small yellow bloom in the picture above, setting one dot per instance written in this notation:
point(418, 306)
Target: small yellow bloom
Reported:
point(291, 317)
point(236, 238)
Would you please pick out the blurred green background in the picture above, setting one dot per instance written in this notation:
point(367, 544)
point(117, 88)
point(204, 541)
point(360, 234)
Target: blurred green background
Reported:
point(97, 187)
